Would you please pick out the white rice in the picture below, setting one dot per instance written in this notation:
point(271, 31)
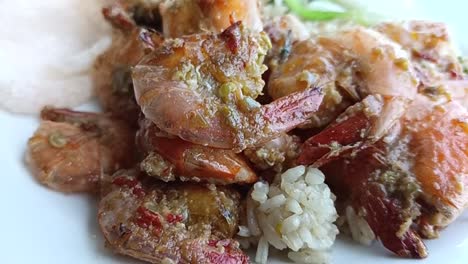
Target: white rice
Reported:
point(262, 251)
point(297, 213)
point(244, 231)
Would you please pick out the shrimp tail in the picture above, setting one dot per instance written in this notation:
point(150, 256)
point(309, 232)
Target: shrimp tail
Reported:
point(292, 110)
point(353, 141)
point(360, 126)
point(385, 218)
point(319, 149)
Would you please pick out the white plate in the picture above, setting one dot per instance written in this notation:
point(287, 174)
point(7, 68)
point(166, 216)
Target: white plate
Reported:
point(41, 226)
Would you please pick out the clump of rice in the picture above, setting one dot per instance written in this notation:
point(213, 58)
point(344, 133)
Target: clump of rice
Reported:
point(47, 49)
point(296, 212)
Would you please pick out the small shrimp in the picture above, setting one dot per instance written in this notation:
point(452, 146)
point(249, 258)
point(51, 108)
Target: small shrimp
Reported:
point(384, 67)
point(413, 177)
point(214, 80)
point(430, 48)
point(441, 72)
point(349, 66)
point(173, 223)
point(70, 150)
point(168, 157)
point(111, 71)
point(310, 63)
point(185, 17)
point(440, 143)
point(316, 63)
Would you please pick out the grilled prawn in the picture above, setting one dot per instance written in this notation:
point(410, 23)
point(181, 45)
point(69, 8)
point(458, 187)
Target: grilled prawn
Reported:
point(214, 81)
point(185, 17)
point(111, 74)
point(178, 223)
point(349, 66)
point(407, 176)
point(71, 150)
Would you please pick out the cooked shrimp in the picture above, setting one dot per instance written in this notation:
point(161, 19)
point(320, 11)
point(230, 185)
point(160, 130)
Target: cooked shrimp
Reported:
point(179, 223)
point(413, 178)
point(70, 150)
point(111, 75)
point(316, 63)
point(440, 145)
point(185, 17)
point(430, 48)
point(214, 80)
point(381, 67)
point(349, 66)
point(170, 157)
point(441, 72)
point(310, 63)
point(384, 67)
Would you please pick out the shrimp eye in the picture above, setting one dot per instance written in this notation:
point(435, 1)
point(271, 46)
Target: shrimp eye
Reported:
point(57, 140)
